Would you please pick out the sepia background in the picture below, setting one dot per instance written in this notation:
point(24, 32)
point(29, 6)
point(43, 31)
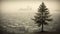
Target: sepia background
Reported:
point(16, 15)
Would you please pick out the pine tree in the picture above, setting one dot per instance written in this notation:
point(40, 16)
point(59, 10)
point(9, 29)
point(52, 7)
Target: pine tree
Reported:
point(42, 16)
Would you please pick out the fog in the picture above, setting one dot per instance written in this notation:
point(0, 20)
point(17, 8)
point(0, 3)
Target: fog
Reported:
point(20, 13)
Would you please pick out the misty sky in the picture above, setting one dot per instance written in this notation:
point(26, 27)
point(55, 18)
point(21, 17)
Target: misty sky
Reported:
point(12, 5)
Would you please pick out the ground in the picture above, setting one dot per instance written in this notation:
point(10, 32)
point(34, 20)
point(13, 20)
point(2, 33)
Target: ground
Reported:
point(1, 32)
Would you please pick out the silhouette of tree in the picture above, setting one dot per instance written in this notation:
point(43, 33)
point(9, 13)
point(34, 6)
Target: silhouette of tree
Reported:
point(42, 16)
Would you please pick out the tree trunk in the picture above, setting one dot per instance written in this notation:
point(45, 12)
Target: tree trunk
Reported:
point(42, 28)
